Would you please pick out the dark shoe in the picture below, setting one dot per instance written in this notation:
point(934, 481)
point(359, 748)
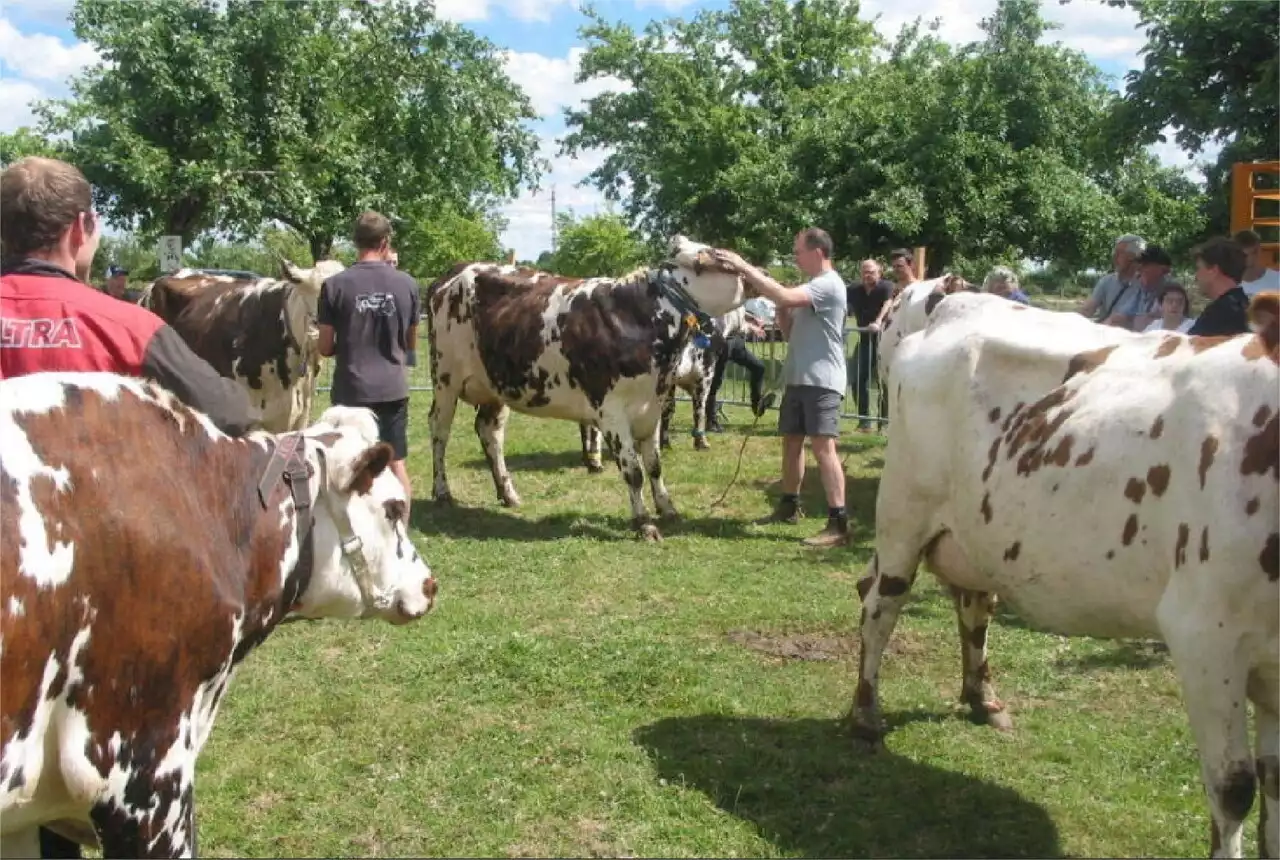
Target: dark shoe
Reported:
point(835, 534)
point(715, 427)
point(786, 511)
point(760, 406)
point(865, 427)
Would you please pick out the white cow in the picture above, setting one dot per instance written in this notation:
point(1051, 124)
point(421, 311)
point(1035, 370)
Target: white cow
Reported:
point(1138, 498)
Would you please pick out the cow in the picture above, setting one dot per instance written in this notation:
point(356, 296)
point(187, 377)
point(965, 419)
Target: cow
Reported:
point(694, 374)
point(1139, 496)
point(144, 555)
point(600, 351)
point(909, 311)
point(261, 333)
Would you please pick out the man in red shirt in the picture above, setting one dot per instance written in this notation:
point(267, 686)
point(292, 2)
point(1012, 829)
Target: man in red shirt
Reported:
point(52, 320)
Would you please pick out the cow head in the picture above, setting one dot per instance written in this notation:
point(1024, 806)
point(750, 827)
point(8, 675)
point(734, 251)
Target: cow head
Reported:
point(715, 287)
point(382, 575)
point(305, 300)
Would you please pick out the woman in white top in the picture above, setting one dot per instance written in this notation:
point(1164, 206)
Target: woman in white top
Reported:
point(1174, 304)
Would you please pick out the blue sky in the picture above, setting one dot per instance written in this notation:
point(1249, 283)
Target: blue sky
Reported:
point(38, 52)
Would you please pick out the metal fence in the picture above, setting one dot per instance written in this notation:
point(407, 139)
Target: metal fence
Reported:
point(735, 387)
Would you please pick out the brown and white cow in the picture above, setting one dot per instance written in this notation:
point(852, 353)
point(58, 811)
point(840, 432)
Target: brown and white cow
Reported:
point(261, 333)
point(694, 374)
point(143, 555)
point(600, 351)
point(1139, 497)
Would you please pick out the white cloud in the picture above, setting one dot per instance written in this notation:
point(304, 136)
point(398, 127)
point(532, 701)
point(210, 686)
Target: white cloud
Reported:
point(40, 57)
point(463, 11)
point(529, 216)
point(15, 100)
point(549, 81)
point(38, 66)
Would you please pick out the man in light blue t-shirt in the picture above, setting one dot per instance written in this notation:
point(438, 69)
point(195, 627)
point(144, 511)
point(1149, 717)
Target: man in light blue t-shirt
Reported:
point(811, 317)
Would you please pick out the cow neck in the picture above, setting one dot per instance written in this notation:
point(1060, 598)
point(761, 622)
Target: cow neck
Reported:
point(288, 462)
point(663, 280)
point(290, 333)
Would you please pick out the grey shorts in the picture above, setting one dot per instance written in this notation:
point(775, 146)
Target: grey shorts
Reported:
point(808, 410)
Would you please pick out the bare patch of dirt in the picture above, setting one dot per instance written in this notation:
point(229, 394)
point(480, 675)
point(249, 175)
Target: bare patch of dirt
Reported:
point(817, 646)
point(265, 802)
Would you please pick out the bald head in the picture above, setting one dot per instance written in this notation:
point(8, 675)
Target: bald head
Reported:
point(870, 271)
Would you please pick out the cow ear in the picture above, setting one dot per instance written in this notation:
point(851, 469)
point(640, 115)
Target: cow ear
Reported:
point(369, 465)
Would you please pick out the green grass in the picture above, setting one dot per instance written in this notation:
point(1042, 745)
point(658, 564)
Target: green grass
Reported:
point(579, 693)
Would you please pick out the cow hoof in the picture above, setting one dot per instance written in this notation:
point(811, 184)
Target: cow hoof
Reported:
point(1000, 721)
point(867, 739)
point(445, 499)
point(511, 501)
point(700, 443)
point(649, 533)
point(670, 516)
point(594, 467)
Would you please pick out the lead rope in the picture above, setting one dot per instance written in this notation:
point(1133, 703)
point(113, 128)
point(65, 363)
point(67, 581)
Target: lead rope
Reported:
point(765, 403)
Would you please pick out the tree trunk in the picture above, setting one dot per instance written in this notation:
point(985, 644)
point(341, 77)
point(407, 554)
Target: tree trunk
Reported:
point(321, 246)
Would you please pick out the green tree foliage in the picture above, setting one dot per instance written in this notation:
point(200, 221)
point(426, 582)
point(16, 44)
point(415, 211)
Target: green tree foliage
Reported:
point(428, 245)
point(597, 245)
point(1212, 71)
point(744, 125)
point(228, 114)
point(23, 142)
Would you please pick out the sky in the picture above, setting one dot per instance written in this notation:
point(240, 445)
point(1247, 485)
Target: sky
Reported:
point(542, 48)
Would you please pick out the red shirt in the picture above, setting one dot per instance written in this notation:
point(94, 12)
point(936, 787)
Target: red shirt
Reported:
point(50, 322)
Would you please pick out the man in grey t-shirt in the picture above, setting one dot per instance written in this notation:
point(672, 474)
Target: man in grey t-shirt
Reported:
point(811, 317)
point(368, 319)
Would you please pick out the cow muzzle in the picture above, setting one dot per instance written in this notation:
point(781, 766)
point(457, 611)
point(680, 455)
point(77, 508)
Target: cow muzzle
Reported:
point(405, 614)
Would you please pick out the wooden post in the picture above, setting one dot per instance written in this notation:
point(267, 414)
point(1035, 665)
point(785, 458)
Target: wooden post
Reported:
point(919, 258)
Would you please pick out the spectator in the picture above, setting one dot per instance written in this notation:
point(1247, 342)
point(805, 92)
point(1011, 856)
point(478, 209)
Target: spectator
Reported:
point(1220, 263)
point(117, 285)
point(733, 347)
point(1001, 281)
point(865, 301)
point(1175, 307)
point(902, 262)
point(1257, 277)
point(50, 235)
point(1112, 287)
point(1141, 306)
point(812, 317)
point(368, 320)
point(393, 260)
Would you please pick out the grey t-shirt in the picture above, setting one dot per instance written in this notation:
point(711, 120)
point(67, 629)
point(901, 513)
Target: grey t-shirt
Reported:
point(815, 350)
point(1111, 293)
point(371, 307)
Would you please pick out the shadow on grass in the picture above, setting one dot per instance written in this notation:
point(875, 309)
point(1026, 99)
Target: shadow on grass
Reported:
point(1129, 654)
point(535, 461)
point(810, 791)
point(482, 522)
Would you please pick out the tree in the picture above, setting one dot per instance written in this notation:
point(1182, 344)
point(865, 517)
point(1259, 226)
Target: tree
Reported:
point(744, 125)
point(1212, 71)
point(597, 245)
point(229, 114)
point(23, 142)
point(428, 244)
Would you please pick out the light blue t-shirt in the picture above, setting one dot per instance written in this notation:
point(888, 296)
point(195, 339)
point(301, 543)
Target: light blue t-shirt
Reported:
point(815, 350)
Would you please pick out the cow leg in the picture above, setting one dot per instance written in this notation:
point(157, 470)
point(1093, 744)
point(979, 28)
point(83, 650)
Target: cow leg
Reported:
point(668, 412)
point(590, 447)
point(491, 427)
point(653, 465)
point(620, 441)
point(154, 830)
point(1264, 696)
point(440, 419)
point(884, 592)
point(21, 843)
point(701, 420)
point(1214, 693)
point(974, 610)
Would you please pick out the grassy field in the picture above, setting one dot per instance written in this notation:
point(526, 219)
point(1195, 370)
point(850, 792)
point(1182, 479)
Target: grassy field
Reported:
point(579, 693)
